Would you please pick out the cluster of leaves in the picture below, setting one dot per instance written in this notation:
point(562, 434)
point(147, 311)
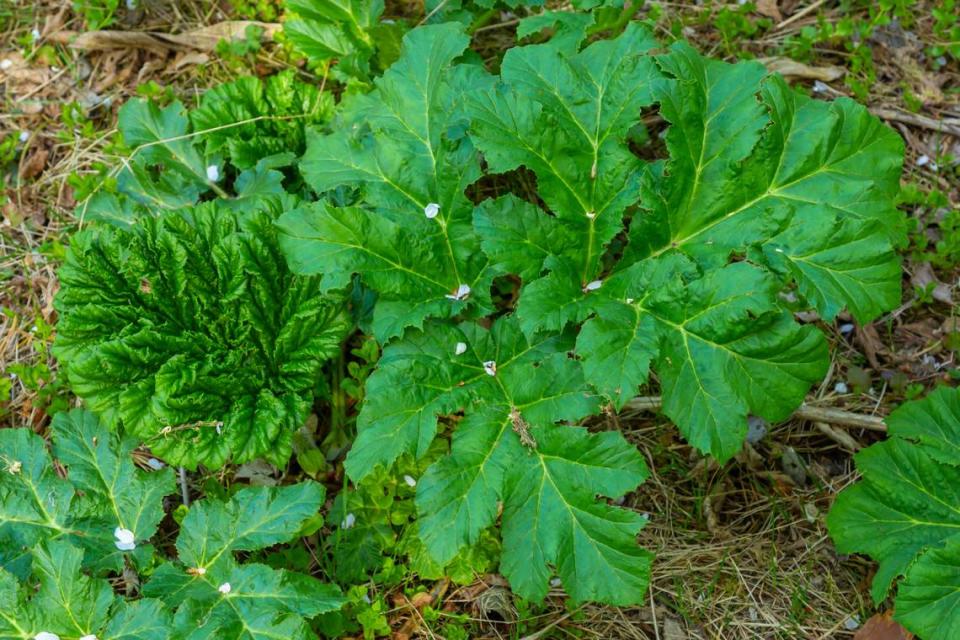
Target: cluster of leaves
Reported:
point(189, 331)
point(241, 133)
point(905, 513)
point(769, 202)
point(65, 526)
point(347, 36)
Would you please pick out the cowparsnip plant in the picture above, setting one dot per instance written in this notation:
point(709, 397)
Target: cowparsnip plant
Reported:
point(688, 267)
point(530, 269)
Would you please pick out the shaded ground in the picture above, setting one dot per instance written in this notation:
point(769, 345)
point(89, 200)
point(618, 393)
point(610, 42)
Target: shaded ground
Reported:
point(742, 551)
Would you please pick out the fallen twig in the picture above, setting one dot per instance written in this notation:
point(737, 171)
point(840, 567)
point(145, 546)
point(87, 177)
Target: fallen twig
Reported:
point(804, 412)
point(944, 125)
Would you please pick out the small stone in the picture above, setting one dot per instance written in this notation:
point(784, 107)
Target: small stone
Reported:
point(756, 429)
point(852, 623)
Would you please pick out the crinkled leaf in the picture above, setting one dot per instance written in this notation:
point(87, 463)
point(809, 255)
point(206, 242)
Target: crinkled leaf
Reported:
point(249, 119)
point(905, 513)
point(190, 331)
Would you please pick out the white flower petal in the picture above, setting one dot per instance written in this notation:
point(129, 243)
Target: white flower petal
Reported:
point(591, 215)
point(24, 136)
point(410, 480)
point(593, 286)
point(224, 588)
point(125, 539)
point(200, 571)
point(490, 367)
point(349, 521)
point(213, 173)
point(5, 64)
point(46, 635)
point(462, 292)
point(89, 636)
point(124, 535)
point(155, 464)
point(461, 348)
point(431, 210)
point(35, 34)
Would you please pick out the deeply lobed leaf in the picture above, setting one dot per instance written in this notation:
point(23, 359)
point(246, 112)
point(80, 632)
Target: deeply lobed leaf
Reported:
point(905, 513)
point(103, 491)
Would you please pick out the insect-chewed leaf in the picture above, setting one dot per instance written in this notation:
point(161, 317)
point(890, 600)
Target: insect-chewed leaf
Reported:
point(513, 392)
point(905, 513)
point(191, 332)
point(402, 146)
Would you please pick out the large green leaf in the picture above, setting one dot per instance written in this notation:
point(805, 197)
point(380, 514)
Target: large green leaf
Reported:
point(190, 331)
point(905, 513)
point(70, 605)
point(802, 189)
point(508, 447)
point(411, 239)
point(103, 492)
point(215, 596)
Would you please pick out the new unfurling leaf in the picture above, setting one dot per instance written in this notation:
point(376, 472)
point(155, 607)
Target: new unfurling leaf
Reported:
point(190, 332)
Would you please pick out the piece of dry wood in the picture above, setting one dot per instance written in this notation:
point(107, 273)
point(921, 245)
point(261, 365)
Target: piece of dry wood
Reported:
point(945, 125)
point(804, 412)
point(792, 69)
point(202, 39)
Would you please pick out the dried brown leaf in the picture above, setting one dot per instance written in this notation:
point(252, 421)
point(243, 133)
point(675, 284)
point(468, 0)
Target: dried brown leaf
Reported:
point(882, 627)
